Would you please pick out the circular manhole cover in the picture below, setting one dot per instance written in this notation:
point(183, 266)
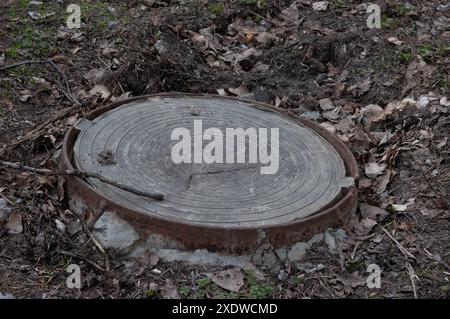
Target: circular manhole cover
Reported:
point(227, 168)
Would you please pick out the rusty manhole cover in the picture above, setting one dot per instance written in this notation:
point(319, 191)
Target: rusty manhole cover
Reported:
point(211, 205)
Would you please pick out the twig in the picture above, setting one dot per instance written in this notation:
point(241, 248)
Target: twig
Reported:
point(68, 253)
point(341, 254)
point(97, 215)
point(400, 247)
point(81, 174)
point(32, 133)
point(6, 199)
point(97, 244)
point(260, 16)
point(19, 64)
point(412, 274)
point(67, 92)
point(94, 240)
point(433, 258)
point(334, 11)
point(352, 255)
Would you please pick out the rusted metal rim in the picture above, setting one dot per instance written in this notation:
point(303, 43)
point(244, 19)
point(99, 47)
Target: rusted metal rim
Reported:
point(192, 236)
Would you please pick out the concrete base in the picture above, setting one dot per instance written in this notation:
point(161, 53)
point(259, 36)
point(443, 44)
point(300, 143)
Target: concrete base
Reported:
point(115, 233)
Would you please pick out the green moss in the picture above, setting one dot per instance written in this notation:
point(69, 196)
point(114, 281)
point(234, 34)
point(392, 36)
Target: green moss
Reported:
point(216, 9)
point(444, 83)
point(30, 39)
point(445, 288)
point(443, 50)
point(96, 15)
point(203, 282)
point(299, 280)
point(12, 52)
point(18, 9)
point(257, 290)
point(185, 291)
point(338, 4)
point(387, 22)
point(150, 294)
point(406, 9)
point(6, 90)
point(261, 291)
point(203, 287)
point(426, 50)
point(406, 56)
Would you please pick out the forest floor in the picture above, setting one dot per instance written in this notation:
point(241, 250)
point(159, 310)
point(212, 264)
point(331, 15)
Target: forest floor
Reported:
point(384, 91)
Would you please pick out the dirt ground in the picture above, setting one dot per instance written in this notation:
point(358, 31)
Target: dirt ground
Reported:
point(384, 91)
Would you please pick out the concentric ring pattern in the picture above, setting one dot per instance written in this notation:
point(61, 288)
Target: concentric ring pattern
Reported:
point(137, 136)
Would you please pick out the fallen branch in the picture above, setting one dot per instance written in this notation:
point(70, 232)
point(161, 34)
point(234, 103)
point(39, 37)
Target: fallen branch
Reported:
point(400, 247)
point(6, 199)
point(84, 175)
point(33, 132)
point(66, 91)
point(6, 67)
point(94, 240)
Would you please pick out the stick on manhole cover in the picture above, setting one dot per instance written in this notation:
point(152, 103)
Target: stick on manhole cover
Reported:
point(229, 170)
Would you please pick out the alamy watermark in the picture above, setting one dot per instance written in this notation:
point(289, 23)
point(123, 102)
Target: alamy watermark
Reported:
point(73, 281)
point(74, 19)
point(228, 146)
point(374, 18)
point(374, 279)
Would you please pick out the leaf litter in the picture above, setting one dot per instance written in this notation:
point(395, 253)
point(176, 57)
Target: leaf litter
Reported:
point(386, 100)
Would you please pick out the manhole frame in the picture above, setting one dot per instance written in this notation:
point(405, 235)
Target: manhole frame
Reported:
point(190, 236)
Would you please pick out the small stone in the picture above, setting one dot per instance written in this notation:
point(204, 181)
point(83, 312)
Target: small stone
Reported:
point(112, 24)
point(372, 170)
point(424, 100)
point(362, 8)
point(322, 77)
point(282, 275)
point(443, 7)
point(444, 101)
point(281, 253)
point(320, 6)
point(298, 251)
point(115, 233)
point(14, 225)
point(5, 211)
point(326, 104)
point(316, 239)
point(265, 258)
point(261, 95)
point(319, 267)
point(162, 47)
point(306, 266)
point(330, 240)
point(312, 115)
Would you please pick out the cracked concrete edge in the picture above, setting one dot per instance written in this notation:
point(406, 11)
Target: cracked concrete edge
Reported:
point(115, 233)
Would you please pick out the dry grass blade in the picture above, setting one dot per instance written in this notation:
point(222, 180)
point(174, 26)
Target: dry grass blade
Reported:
point(400, 246)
